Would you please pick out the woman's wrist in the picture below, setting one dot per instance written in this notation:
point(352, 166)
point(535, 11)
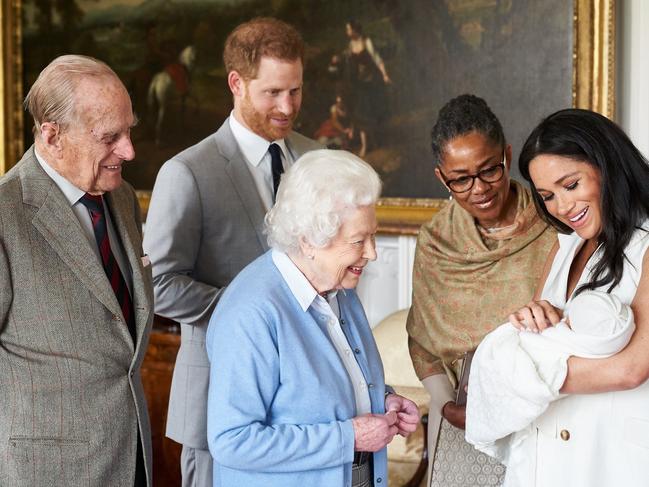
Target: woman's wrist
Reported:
point(444, 414)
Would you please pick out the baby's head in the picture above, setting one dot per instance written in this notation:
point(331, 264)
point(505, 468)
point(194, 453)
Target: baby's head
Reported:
point(597, 313)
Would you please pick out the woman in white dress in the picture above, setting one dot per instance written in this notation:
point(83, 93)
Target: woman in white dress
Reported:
point(592, 184)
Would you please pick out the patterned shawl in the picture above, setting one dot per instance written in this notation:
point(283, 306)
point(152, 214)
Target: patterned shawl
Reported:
point(466, 281)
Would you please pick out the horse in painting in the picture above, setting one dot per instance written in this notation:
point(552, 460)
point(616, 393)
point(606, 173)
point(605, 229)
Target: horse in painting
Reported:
point(174, 79)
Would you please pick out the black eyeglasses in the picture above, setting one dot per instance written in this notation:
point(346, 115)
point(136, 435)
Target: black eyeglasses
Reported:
point(491, 174)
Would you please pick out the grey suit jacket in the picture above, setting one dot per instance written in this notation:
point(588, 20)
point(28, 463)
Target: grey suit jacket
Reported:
point(205, 224)
point(71, 399)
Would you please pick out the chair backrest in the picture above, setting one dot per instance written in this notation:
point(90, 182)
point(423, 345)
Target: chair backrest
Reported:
point(392, 340)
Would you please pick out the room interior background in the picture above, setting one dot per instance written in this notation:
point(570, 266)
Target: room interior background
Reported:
point(526, 58)
point(608, 72)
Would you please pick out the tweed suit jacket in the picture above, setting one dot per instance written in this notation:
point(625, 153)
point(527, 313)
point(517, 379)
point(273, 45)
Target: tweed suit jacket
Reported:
point(205, 224)
point(71, 396)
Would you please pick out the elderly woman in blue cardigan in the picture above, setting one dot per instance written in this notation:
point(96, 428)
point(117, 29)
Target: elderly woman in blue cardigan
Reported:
point(297, 395)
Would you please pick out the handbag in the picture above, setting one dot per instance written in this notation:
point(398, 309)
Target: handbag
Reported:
point(456, 463)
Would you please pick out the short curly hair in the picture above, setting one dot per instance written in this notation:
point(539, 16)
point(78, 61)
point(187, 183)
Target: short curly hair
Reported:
point(259, 37)
point(463, 115)
point(315, 196)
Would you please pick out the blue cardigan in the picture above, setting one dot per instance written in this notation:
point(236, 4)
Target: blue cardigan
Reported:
point(280, 400)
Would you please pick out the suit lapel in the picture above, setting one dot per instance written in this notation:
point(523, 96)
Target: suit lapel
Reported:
point(295, 147)
point(121, 212)
point(58, 225)
point(242, 180)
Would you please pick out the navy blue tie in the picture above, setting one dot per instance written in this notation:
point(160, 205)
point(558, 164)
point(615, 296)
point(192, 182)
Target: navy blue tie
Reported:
point(95, 206)
point(276, 165)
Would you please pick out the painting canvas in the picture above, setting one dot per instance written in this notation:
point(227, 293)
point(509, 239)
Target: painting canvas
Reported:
point(377, 71)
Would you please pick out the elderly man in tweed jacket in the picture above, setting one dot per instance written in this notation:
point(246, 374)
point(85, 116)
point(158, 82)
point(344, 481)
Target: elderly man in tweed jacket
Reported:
point(75, 291)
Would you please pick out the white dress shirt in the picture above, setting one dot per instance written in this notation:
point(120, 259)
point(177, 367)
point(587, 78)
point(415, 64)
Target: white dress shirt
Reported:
point(255, 151)
point(73, 195)
point(328, 309)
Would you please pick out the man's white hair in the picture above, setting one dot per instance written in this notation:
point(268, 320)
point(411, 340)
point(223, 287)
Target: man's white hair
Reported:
point(314, 196)
point(52, 97)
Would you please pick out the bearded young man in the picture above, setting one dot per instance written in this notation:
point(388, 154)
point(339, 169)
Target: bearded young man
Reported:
point(207, 210)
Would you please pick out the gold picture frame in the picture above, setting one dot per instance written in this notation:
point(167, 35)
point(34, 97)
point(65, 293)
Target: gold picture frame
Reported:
point(593, 88)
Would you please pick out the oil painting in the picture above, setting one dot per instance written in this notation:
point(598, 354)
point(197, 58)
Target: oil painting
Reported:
point(376, 72)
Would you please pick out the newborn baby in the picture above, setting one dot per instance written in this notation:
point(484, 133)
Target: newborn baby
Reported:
point(595, 325)
point(597, 313)
point(515, 375)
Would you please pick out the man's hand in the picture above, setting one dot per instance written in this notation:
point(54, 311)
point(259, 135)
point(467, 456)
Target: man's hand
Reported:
point(373, 432)
point(407, 413)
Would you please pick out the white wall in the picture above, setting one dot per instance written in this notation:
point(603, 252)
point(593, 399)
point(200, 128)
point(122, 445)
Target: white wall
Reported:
point(386, 284)
point(633, 70)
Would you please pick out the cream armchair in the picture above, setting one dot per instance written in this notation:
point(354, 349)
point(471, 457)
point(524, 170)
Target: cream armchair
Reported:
point(407, 458)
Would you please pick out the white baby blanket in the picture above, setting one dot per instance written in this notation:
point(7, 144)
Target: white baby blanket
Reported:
point(516, 374)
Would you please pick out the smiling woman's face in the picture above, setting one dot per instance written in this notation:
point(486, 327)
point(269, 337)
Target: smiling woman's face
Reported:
point(571, 191)
point(340, 263)
point(468, 154)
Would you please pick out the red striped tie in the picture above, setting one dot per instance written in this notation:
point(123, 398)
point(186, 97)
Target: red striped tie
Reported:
point(95, 206)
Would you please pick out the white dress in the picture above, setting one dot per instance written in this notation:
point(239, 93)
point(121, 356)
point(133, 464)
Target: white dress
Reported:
point(588, 440)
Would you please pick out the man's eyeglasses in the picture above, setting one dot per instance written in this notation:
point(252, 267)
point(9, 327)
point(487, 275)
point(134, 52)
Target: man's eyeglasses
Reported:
point(491, 174)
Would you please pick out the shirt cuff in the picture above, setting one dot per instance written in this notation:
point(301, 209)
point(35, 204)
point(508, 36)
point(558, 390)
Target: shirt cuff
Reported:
point(348, 440)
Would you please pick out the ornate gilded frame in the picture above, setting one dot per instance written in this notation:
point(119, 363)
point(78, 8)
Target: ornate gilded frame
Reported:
point(593, 88)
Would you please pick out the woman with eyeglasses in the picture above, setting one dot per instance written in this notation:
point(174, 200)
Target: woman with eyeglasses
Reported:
point(477, 261)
